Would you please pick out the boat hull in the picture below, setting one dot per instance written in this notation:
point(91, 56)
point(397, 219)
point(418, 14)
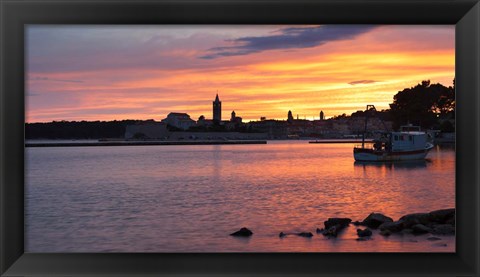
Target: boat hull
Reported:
point(370, 155)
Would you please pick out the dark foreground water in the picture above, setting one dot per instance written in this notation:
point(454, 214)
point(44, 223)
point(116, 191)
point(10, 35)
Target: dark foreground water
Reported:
point(189, 198)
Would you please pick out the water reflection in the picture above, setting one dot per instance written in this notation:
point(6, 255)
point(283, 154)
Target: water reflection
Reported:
point(395, 164)
point(445, 146)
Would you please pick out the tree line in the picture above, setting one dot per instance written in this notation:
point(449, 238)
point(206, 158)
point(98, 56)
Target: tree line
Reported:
point(78, 129)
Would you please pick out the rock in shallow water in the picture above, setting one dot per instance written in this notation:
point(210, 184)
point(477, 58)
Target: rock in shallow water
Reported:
point(332, 231)
point(385, 233)
point(442, 216)
point(305, 234)
point(395, 226)
point(243, 232)
point(333, 226)
point(342, 222)
point(443, 229)
point(420, 229)
point(450, 221)
point(364, 233)
point(412, 219)
point(407, 231)
point(374, 220)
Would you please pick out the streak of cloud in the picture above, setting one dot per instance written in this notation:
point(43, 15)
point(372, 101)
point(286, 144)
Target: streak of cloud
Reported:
point(362, 82)
point(288, 38)
point(54, 80)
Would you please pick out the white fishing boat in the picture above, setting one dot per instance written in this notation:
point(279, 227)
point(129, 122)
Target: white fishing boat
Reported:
point(410, 143)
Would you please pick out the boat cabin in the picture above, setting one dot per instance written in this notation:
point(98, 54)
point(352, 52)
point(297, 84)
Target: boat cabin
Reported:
point(407, 139)
point(402, 141)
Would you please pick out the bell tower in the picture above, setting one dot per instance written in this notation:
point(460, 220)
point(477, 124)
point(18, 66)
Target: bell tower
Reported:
point(290, 117)
point(217, 110)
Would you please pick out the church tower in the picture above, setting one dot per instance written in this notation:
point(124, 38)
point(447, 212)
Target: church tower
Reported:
point(217, 110)
point(322, 116)
point(290, 117)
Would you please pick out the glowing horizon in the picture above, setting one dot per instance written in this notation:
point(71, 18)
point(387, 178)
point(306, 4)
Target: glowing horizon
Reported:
point(104, 73)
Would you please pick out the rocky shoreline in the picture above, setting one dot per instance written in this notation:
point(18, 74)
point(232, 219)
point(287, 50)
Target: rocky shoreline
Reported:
point(438, 222)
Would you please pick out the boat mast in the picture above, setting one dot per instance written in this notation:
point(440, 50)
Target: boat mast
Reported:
point(369, 107)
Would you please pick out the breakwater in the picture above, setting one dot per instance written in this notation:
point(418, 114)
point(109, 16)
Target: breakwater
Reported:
point(340, 141)
point(141, 143)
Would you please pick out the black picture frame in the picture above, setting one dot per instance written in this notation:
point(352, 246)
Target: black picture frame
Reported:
point(465, 14)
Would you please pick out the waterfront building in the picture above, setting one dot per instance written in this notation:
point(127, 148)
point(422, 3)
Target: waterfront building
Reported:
point(235, 119)
point(179, 120)
point(217, 110)
point(203, 122)
point(235, 122)
point(275, 129)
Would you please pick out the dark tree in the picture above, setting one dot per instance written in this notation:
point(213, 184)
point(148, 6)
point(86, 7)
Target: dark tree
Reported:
point(422, 104)
point(447, 127)
point(78, 129)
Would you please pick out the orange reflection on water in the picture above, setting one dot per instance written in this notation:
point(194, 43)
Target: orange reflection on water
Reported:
point(167, 194)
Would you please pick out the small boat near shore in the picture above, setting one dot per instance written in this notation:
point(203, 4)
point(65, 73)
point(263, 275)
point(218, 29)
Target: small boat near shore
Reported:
point(399, 146)
point(410, 143)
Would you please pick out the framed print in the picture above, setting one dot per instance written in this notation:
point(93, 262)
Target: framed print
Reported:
point(239, 138)
point(206, 161)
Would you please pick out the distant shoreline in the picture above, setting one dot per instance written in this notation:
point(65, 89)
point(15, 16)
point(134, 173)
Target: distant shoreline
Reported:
point(121, 142)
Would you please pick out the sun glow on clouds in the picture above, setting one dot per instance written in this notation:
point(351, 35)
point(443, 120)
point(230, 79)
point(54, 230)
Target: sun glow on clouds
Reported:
point(134, 72)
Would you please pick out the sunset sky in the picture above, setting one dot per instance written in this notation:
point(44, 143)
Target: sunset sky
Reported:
point(90, 72)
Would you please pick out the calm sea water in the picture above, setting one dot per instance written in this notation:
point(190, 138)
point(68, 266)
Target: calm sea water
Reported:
point(189, 198)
